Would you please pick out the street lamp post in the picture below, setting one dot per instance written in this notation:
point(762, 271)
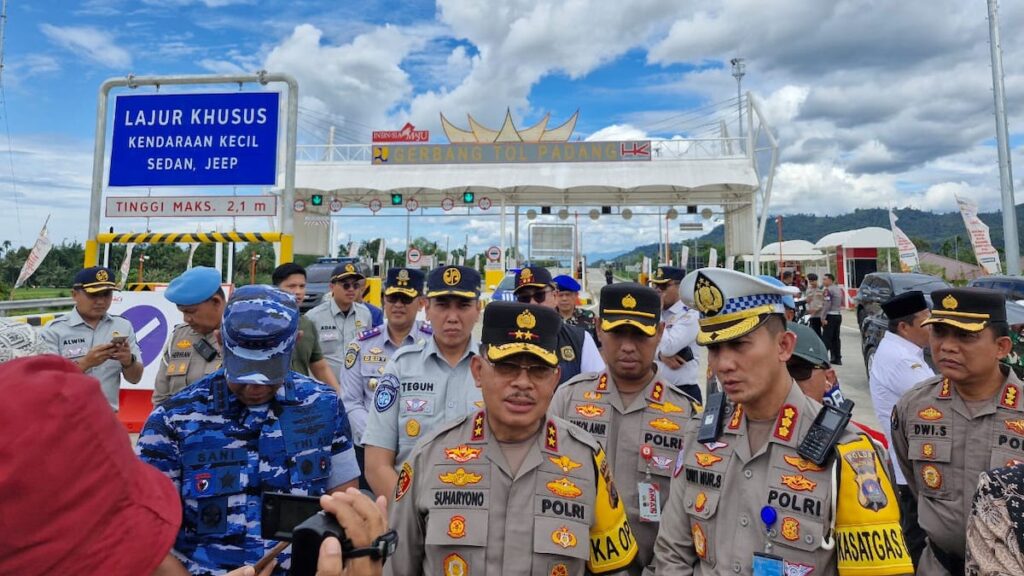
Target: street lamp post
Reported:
point(142, 259)
point(739, 68)
point(252, 267)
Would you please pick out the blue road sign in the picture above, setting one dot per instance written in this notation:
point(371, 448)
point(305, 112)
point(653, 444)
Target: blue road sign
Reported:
point(195, 139)
point(151, 329)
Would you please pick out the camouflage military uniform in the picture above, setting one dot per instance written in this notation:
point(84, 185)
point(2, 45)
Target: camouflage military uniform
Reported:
point(584, 319)
point(364, 365)
point(222, 455)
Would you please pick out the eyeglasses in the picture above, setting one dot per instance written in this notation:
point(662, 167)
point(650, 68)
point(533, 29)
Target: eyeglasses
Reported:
point(396, 298)
point(801, 370)
point(537, 373)
point(664, 286)
point(346, 285)
point(537, 296)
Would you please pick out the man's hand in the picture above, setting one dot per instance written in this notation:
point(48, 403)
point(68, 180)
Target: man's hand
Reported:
point(363, 521)
point(97, 355)
point(122, 353)
point(671, 362)
point(824, 322)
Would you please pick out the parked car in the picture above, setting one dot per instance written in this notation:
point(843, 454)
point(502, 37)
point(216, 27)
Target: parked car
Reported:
point(878, 287)
point(503, 291)
point(318, 280)
point(1012, 286)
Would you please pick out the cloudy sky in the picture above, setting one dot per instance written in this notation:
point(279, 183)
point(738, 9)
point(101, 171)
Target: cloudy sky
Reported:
point(873, 102)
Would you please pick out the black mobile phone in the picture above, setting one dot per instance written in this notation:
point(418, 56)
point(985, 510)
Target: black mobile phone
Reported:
point(819, 443)
point(205, 350)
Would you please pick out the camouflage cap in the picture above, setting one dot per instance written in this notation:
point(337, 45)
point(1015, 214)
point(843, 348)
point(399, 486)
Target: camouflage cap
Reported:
point(259, 331)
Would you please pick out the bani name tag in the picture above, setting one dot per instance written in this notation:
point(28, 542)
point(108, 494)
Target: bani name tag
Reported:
point(768, 565)
point(650, 501)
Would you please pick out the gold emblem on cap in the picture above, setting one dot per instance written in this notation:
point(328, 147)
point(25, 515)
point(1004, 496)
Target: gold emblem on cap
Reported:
point(102, 276)
point(949, 303)
point(525, 276)
point(350, 268)
point(707, 296)
point(403, 277)
point(452, 276)
point(661, 273)
point(526, 320)
point(628, 302)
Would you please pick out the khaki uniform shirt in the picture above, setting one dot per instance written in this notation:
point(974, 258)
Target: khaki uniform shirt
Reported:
point(655, 418)
point(364, 365)
point(71, 337)
point(460, 510)
point(417, 392)
point(943, 449)
point(336, 329)
point(181, 364)
point(712, 521)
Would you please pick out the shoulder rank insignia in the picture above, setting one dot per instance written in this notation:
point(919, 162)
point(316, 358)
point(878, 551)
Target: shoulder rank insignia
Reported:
point(944, 391)
point(787, 422)
point(460, 477)
point(929, 413)
point(565, 463)
point(367, 334)
point(658, 392)
point(801, 464)
point(1011, 396)
point(551, 441)
point(462, 453)
point(602, 383)
point(564, 487)
point(798, 482)
point(589, 410)
point(737, 416)
point(664, 424)
point(478, 427)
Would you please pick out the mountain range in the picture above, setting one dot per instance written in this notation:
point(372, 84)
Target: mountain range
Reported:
point(928, 230)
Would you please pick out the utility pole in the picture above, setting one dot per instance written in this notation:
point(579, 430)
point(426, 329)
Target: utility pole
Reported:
point(739, 68)
point(1011, 244)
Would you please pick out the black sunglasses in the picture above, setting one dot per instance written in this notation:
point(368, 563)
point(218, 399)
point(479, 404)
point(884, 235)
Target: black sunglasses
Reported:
point(537, 296)
point(802, 370)
point(396, 298)
point(346, 285)
point(661, 287)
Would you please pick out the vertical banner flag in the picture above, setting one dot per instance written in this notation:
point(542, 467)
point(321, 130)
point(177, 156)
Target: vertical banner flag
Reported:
point(126, 266)
point(353, 249)
point(730, 262)
point(986, 254)
point(382, 251)
point(684, 256)
point(35, 257)
point(908, 252)
point(712, 258)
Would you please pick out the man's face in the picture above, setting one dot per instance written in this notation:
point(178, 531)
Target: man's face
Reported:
point(295, 285)
point(669, 293)
point(812, 283)
point(628, 352)
point(964, 356)
point(915, 332)
point(813, 380)
point(452, 319)
point(401, 310)
point(344, 291)
point(253, 394)
point(516, 390)
point(565, 301)
point(204, 317)
point(826, 281)
point(530, 295)
point(92, 306)
point(748, 366)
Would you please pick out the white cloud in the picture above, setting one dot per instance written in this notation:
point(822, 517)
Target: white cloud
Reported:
point(618, 132)
point(90, 43)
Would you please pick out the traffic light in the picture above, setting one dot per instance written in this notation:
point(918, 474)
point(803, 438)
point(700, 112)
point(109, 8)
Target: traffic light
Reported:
point(606, 209)
point(316, 199)
point(545, 209)
point(396, 199)
point(468, 197)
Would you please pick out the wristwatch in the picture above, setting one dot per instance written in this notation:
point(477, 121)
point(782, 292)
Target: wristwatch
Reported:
point(381, 548)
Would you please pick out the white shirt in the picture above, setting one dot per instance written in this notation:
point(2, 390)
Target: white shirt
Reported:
point(897, 366)
point(680, 332)
point(590, 356)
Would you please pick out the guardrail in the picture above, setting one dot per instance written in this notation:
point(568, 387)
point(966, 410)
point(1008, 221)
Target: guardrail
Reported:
point(8, 306)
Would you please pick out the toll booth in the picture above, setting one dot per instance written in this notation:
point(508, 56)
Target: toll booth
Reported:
point(853, 254)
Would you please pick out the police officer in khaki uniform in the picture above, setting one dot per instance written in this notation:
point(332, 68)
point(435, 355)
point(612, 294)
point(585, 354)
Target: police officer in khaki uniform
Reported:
point(949, 429)
point(193, 350)
point(425, 384)
point(509, 490)
point(339, 318)
point(630, 410)
point(102, 345)
point(745, 501)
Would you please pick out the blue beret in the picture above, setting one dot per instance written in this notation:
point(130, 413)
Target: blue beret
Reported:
point(194, 286)
point(566, 283)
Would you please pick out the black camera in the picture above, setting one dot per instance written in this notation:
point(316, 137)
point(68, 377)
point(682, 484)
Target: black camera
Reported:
point(300, 520)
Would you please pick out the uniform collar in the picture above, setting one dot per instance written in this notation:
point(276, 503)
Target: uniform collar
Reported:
point(902, 343)
point(74, 318)
point(795, 415)
point(1009, 396)
point(480, 433)
point(654, 391)
point(430, 346)
point(677, 308)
